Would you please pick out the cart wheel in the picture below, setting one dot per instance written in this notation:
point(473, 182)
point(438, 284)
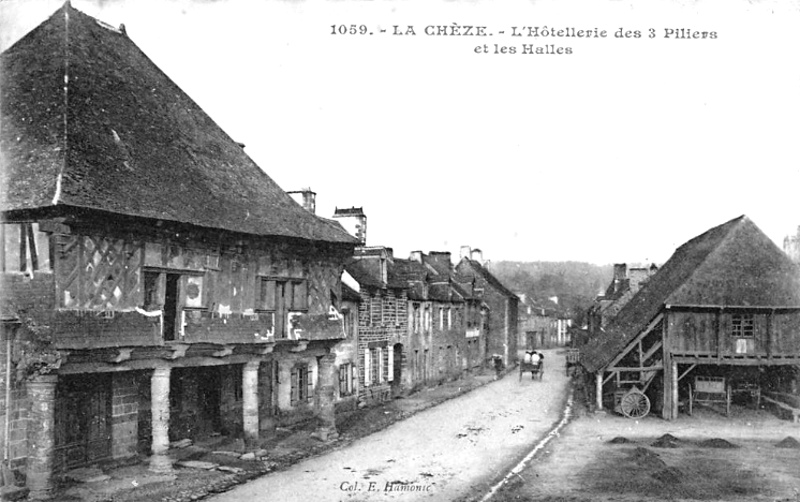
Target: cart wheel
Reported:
point(635, 404)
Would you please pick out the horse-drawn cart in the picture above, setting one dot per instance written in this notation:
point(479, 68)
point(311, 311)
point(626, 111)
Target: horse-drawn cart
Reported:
point(633, 403)
point(536, 369)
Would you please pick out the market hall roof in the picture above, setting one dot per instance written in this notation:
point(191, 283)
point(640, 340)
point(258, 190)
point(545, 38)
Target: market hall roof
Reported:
point(87, 120)
point(733, 264)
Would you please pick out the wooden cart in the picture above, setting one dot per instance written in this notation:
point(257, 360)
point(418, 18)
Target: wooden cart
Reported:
point(633, 403)
point(536, 369)
point(710, 390)
point(573, 357)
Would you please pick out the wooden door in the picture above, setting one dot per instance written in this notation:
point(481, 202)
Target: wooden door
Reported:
point(83, 420)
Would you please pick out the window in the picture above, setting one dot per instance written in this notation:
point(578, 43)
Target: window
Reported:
point(24, 248)
point(301, 384)
point(441, 318)
point(367, 367)
point(346, 379)
point(282, 296)
point(742, 326)
point(377, 365)
point(449, 318)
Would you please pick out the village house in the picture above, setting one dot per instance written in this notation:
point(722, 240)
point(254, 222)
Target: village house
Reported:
point(538, 324)
point(718, 323)
point(157, 284)
point(445, 336)
point(478, 282)
point(624, 284)
point(381, 320)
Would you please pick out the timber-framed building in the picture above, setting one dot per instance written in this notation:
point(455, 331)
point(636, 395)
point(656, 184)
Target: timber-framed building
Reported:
point(157, 284)
point(725, 308)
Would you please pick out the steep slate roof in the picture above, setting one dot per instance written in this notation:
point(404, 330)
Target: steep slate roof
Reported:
point(88, 121)
point(368, 273)
point(491, 279)
point(733, 264)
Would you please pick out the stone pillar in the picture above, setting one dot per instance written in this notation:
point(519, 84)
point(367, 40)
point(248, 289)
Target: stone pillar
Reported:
point(159, 405)
point(41, 435)
point(599, 390)
point(250, 400)
point(325, 397)
point(124, 415)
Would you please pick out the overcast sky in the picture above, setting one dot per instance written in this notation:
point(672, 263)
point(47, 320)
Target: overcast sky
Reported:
point(618, 152)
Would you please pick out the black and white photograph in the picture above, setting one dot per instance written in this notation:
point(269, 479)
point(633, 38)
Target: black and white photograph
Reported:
point(400, 250)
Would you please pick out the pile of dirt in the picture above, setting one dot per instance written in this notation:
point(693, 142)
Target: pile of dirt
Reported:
point(666, 441)
point(646, 458)
point(620, 440)
point(669, 475)
point(788, 442)
point(716, 443)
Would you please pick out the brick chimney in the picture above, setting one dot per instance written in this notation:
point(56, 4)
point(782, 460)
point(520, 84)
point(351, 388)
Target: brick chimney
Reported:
point(466, 251)
point(620, 274)
point(477, 255)
point(416, 256)
point(354, 221)
point(305, 198)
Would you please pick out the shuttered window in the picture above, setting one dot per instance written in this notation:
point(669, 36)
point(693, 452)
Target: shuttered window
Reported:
point(301, 384)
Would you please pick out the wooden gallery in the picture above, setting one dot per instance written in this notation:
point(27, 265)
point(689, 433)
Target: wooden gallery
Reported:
point(157, 284)
point(718, 324)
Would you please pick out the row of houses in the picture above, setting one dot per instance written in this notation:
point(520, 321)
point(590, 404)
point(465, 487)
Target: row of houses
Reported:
point(157, 285)
point(417, 321)
point(719, 321)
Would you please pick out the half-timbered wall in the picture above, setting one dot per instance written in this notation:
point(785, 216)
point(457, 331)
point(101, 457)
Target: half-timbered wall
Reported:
point(734, 333)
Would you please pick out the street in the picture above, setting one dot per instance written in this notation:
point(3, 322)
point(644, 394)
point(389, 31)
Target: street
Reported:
point(453, 451)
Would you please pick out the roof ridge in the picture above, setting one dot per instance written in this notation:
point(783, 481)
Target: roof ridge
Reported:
point(734, 224)
point(57, 193)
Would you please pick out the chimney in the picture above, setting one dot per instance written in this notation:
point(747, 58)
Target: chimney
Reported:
point(441, 259)
point(305, 198)
point(354, 221)
point(416, 256)
point(465, 252)
point(620, 274)
point(477, 255)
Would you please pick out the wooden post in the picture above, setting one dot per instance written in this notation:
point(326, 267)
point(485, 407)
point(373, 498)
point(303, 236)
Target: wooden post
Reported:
point(159, 406)
point(674, 412)
point(250, 400)
point(670, 379)
point(599, 390)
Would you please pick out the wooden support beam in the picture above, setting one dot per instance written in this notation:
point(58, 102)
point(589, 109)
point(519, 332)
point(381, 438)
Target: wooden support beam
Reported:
point(654, 367)
point(657, 319)
point(178, 350)
point(122, 355)
point(652, 351)
point(674, 388)
point(687, 371)
point(610, 376)
point(225, 351)
point(599, 390)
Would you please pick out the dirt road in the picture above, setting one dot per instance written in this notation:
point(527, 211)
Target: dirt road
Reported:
point(451, 452)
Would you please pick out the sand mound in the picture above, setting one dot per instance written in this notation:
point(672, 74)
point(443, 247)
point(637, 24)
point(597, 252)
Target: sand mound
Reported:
point(620, 440)
point(666, 441)
point(716, 443)
point(646, 458)
point(670, 475)
point(788, 442)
